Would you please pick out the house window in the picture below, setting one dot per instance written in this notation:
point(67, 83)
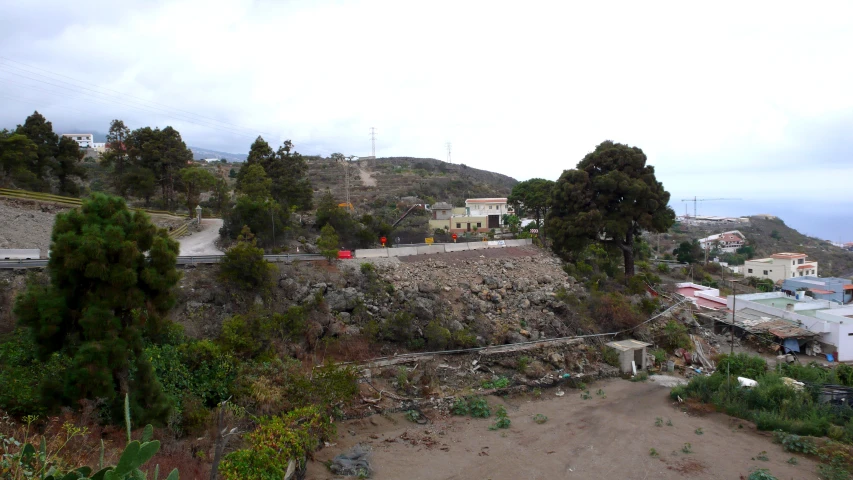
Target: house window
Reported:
point(765, 272)
point(750, 270)
point(490, 207)
point(801, 261)
point(479, 224)
point(458, 225)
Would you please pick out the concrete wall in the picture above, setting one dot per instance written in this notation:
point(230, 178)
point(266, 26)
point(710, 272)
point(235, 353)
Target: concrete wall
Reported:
point(440, 248)
point(20, 253)
point(372, 253)
point(430, 249)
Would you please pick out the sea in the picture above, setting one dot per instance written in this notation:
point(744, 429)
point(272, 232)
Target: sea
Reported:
point(825, 219)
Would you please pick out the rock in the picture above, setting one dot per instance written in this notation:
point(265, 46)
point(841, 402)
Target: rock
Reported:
point(336, 328)
point(495, 297)
point(423, 308)
point(544, 279)
point(514, 337)
point(425, 287)
point(491, 282)
point(344, 317)
point(342, 300)
point(455, 326)
point(557, 360)
point(524, 303)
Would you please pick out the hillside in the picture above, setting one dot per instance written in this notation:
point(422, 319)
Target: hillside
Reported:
point(204, 153)
point(832, 260)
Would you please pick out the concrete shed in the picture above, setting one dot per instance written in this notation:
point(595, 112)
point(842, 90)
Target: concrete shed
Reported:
point(630, 350)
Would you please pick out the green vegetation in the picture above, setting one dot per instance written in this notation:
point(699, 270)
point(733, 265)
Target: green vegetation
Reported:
point(502, 419)
point(687, 448)
point(612, 188)
point(20, 459)
point(33, 155)
point(539, 418)
point(277, 441)
point(111, 279)
point(496, 383)
point(761, 474)
point(244, 266)
point(477, 407)
point(328, 243)
point(653, 453)
point(256, 208)
point(530, 198)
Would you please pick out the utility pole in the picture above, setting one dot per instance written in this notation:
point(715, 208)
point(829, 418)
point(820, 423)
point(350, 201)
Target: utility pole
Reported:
point(448, 152)
point(373, 142)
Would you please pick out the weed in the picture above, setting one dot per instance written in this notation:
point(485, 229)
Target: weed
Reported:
point(479, 408)
point(687, 448)
point(600, 393)
point(502, 420)
point(460, 407)
point(523, 363)
point(762, 456)
point(585, 395)
point(658, 422)
point(698, 431)
point(795, 443)
point(653, 453)
point(402, 377)
point(413, 416)
point(761, 474)
point(641, 376)
point(668, 422)
point(539, 418)
point(581, 386)
point(499, 382)
point(537, 392)
point(793, 461)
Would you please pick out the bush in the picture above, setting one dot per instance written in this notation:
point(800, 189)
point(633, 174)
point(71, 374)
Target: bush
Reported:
point(28, 385)
point(437, 337)
point(742, 365)
point(244, 266)
point(277, 441)
point(675, 335)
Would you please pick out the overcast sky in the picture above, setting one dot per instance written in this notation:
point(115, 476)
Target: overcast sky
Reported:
point(746, 99)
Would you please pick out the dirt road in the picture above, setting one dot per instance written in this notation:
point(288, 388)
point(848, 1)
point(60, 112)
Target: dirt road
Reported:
point(606, 436)
point(202, 243)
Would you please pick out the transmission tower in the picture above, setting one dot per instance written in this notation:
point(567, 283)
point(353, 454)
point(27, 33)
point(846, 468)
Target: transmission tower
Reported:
point(448, 153)
point(373, 142)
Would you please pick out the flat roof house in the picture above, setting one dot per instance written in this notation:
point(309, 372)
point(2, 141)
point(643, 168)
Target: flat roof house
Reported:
point(84, 140)
point(834, 289)
point(492, 208)
point(780, 266)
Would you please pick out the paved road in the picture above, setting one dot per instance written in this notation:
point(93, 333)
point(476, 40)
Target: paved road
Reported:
point(201, 243)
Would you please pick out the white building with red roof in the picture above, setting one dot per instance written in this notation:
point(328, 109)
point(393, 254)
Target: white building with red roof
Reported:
point(725, 242)
point(492, 208)
point(780, 266)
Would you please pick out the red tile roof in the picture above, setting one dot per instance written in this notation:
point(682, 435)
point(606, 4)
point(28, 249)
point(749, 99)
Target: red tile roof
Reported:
point(803, 267)
point(848, 287)
point(820, 291)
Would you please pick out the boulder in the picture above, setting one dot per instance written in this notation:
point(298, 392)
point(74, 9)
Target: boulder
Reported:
point(425, 287)
point(344, 300)
point(423, 308)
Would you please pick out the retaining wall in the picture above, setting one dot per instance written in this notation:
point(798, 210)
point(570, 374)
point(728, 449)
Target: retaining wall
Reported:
point(456, 247)
point(441, 248)
point(431, 249)
point(372, 253)
point(402, 251)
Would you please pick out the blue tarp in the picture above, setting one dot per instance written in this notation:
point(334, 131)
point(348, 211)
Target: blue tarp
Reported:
point(791, 345)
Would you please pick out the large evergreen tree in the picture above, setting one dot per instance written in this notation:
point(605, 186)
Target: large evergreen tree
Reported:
point(531, 197)
point(116, 154)
point(256, 208)
point(162, 153)
point(609, 198)
point(111, 279)
point(17, 153)
point(196, 180)
point(260, 153)
point(67, 166)
point(40, 131)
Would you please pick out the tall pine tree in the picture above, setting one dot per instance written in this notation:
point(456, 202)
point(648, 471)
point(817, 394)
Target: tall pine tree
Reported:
point(40, 131)
point(111, 279)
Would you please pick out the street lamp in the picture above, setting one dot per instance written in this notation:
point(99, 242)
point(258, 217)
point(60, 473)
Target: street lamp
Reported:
point(198, 214)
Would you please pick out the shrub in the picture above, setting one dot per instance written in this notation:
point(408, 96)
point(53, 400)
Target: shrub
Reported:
point(437, 337)
point(522, 364)
point(244, 266)
point(27, 383)
point(675, 335)
point(502, 420)
point(464, 338)
point(742, 365)
point(277, 441)
point(539, 418)
point(497, 382)
point(479, 408)
point(610, 356)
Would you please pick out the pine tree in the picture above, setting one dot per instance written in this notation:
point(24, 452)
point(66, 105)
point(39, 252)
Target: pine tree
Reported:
point(328, 242)
point(40, 131)
point(68, 157)
point(111, 279)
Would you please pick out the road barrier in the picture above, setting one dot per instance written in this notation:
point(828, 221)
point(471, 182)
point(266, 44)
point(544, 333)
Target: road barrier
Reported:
point(438, 248)
point(187, 260)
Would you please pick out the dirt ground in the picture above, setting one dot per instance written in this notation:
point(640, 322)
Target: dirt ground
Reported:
point(202, 243)
point(606, 436)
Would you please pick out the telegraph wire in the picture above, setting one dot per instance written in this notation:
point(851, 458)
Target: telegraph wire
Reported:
point(123, 94)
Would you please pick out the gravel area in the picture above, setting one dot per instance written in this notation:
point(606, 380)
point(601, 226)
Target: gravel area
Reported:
point(26, 225)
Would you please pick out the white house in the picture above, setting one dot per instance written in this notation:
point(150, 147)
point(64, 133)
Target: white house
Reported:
point(493, 208)
point(84, 140)
point(833, 323)
point(725, 242)
point(780, 266)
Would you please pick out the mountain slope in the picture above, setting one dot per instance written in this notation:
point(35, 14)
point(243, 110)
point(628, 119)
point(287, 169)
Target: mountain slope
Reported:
point(203, 153)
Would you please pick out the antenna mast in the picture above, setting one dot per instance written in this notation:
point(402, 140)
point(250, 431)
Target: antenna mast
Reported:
point(373, 142)
point(448, 153)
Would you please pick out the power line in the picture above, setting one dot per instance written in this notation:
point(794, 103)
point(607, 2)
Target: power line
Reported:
point(144, 108)
point(123, 94)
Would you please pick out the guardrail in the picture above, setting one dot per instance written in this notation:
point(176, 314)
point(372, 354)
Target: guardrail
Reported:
point(185, 260)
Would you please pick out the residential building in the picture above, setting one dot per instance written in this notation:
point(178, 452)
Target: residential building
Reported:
point(831, 323)
point(727, 242)
point(84, 140)
point(493, 208)
point(441, 211)
point(701, 296)
point(834, 289)
point(780, 266)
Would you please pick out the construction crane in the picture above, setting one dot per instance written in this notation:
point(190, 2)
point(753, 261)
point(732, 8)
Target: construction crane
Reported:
point(697, 200)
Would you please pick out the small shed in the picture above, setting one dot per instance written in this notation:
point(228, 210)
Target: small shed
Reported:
point(630, 350)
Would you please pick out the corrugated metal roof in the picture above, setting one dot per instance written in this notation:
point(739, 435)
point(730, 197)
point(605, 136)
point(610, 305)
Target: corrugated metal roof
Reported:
point(625, 345)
